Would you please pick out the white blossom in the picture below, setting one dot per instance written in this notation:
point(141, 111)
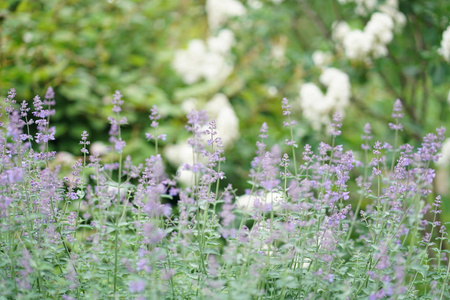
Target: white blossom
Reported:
point(315, 106)
point(189, 104)
point(444, 50)
point(340, 30)
point(380, 26)
point(98, 148)
point(215, 67)
point(272, 90)
point(338, 87)
point(187, 63)
point(318, 106)
point(247, 202)
point(64, 158)
point(364, 7)
point(222, 42)
point(372, 41)
point(219, 11)
point(210, 60)
point(278, 52)
point(254, 4)
point(179, 154)
point(185, 177)
point(390, 7)
point(321, 58)
point(444, 160)
point(357, 45)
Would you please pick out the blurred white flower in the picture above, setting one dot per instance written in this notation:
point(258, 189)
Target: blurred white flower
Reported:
point(208, 60)
point(222, 42)
point(317, 106)
point(371, 42)
point(390, 7)
point(272, 90)
point(380, 26)
point(340, 30)
point(113, 188)
point(357, 44)
point(189, 104)
point(187, 63)
point(247, 202)
point(215, 104)
point(444, 160)
point(27, 37)
point(185, 177)
point(215, 67)
point(98, 148)
point(338, 87)
point(219, 11)
point(278, 51)
point(254, 4)
point(444, 50)
point(64, 158)
point(321, 58)
point(364, 7)
point(180, 153)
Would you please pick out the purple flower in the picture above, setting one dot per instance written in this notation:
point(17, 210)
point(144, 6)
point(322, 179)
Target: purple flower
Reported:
point(263, 131)
point(396, 111)
point(143, 265)
point(50, 94)
point(117, 102)
point(119, 145)
point(336, 124)
point(154, 116)
point(136, 286)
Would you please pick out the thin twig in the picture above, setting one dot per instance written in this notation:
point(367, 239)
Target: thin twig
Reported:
point(316, 18)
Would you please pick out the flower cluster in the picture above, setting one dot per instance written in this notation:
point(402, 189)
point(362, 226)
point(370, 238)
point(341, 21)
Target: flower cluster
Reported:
point(444, 50)
point(227, 127)
point(209, 61)
point(294, 235)
point(317, 106)
point(372, 41)
point(219, 11)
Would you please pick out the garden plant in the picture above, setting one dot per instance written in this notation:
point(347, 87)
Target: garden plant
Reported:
point(115, 230)
point(162, 158)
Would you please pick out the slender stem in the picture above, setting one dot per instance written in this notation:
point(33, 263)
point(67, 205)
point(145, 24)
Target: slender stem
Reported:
point(116, 233)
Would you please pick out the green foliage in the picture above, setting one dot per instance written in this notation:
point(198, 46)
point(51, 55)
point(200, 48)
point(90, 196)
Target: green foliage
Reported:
point(87, 49)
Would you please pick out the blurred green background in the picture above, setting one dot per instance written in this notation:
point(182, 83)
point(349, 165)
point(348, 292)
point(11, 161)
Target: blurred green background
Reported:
point(86, 50)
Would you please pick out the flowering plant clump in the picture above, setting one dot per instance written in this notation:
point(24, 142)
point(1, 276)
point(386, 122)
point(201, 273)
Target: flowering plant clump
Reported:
point(115, 230)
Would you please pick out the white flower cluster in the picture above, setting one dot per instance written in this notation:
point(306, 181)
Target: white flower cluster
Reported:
point(372, 41)
point(444, 50)
point(219, 11)
point(247, 202)
point(389, 7)
point(321, 58)
point(208, 60)
point(317, 106)
point(444, 160)
point(218, 108)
